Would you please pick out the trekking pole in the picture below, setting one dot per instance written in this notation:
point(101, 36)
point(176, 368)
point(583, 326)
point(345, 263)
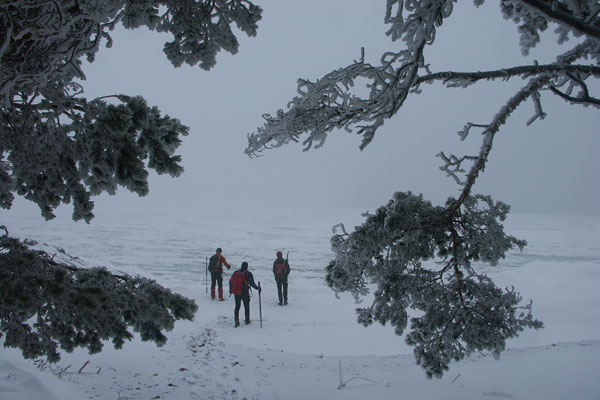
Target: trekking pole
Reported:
point(259, 304)
point(206, 275)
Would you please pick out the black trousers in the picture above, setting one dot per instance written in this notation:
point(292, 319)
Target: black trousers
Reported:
point(238, 303)
point(216, 278)
point(282, 287)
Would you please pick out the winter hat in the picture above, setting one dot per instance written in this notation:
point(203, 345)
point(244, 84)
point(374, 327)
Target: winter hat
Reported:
point(219, 250)
point(279, 254)
point(244, 266)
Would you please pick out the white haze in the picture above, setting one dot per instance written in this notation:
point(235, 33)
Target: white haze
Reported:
point(289, 200)
point(546, 167)
point(298, 351)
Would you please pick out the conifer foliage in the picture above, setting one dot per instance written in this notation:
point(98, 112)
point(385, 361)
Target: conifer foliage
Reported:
point(415, 255)
point(47, 304)
point(58, 147)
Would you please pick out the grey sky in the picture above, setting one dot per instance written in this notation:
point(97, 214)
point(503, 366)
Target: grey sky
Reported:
point(547, 167)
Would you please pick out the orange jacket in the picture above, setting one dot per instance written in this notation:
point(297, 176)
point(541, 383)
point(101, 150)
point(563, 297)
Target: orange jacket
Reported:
point(215, 263)
point(224, 261)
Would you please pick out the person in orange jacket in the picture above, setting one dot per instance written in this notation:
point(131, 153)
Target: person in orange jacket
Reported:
point(215, 267)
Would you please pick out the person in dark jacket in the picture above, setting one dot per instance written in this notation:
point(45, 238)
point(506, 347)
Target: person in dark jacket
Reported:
point(281, 270)
point(215, 267)
point(239, 285)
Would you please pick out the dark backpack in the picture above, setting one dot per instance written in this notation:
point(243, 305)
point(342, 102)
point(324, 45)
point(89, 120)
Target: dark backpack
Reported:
point(237, 282)
point(280, 271)
point(215, 264)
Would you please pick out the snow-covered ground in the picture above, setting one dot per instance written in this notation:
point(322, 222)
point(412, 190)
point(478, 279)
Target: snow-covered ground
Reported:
point(313, 348)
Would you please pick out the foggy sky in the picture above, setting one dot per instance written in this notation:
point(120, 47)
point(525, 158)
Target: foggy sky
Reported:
point(547, 167)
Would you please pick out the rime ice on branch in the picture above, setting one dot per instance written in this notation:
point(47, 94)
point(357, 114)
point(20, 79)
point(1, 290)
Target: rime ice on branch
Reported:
point(47, 305)
point(464, 311)
point(58, 147)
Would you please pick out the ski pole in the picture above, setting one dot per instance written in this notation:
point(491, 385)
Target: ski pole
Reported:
point(206, 275)
point(259, 304)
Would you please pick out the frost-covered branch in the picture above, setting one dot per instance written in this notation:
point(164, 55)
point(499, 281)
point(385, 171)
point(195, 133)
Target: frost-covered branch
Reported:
point(532, 89)
point(424, 270)
point(454, 165)
point(44, 40)
point(581, 16)
point(47, 305)
point(574, 18)
point(464, 79)
point(66, 149)
point(584, 95)
point(59, 147)
point(330, 103)
point(418, 256)
point(493, 128)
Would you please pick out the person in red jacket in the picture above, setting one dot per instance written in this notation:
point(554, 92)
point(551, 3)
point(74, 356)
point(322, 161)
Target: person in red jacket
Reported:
point(215, 267)
point(239, 285)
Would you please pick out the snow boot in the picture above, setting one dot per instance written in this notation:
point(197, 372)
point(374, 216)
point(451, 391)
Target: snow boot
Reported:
point(221, 294)
point(212, 293)
point(237, 323)
point(247, 321)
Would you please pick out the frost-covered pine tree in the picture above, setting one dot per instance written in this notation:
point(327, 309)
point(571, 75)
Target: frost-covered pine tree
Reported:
point(58, 147)
point(415, 255)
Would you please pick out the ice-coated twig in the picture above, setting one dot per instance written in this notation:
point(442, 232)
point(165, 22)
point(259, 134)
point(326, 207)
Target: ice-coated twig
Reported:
point(453, 165)
point(467, 129)
point(539, 113)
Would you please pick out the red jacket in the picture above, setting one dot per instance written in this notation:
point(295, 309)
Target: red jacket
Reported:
point(216, 262)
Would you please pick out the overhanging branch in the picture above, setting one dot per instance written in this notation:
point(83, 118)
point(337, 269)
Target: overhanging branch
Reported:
point(561, 14)
point(490, 133)
point(506, 73)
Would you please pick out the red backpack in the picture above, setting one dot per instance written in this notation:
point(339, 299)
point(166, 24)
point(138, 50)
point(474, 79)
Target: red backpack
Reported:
point(280, 271)
point(237, 282)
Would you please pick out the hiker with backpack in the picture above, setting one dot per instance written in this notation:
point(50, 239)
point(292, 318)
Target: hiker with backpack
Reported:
point(215, 267)
point(281, 270)
point(239, 285)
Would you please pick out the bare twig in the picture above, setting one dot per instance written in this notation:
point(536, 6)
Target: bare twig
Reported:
point(343, 384)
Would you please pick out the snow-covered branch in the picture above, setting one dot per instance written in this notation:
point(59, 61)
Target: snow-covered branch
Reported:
point(48, 305)
point(59, 147)
point(330, 103)
point(66, 149)
point(458, 313)
point(532, 89)
point(581, 16)
point(43, 41)
point(464, 79)
point(416, 255)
